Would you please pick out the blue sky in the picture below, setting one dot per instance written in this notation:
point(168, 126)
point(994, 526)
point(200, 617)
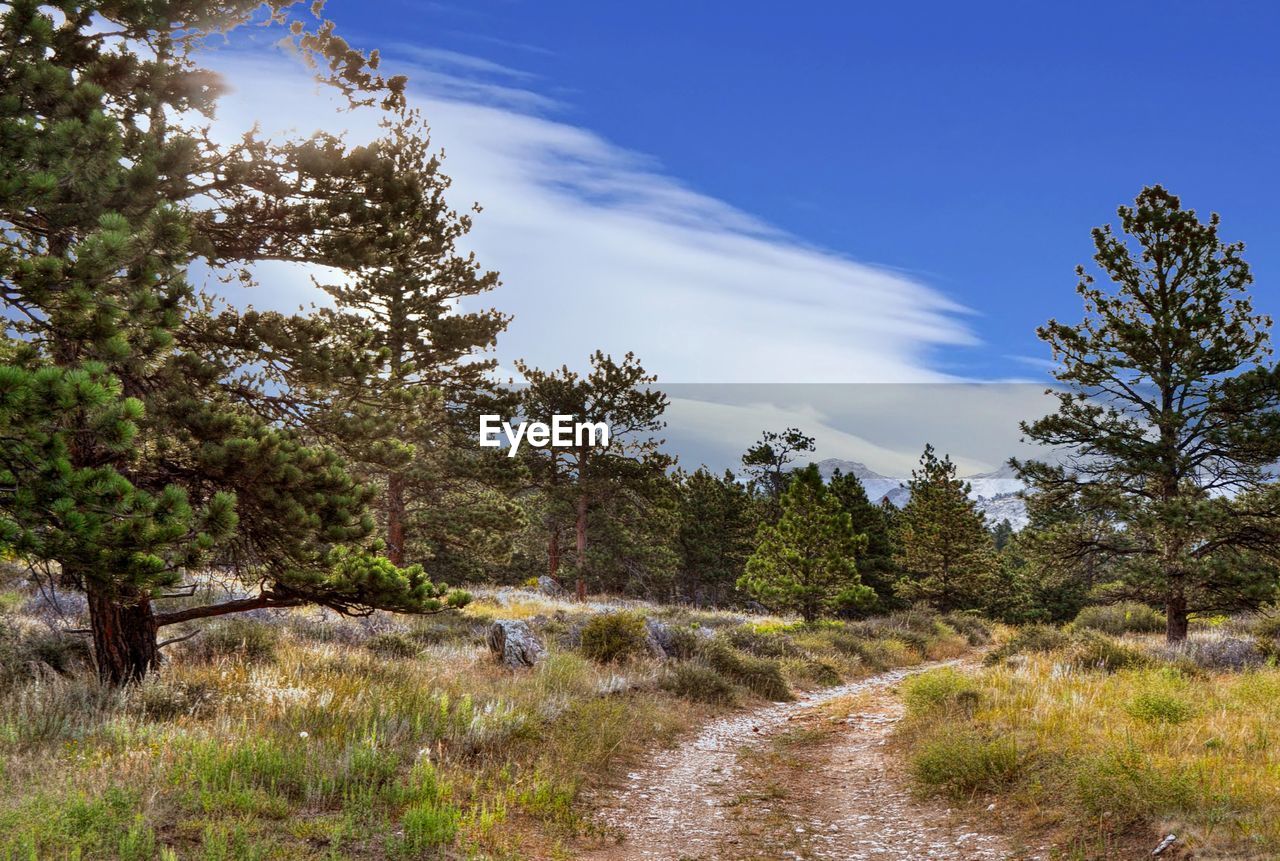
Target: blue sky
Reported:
point(971, 146)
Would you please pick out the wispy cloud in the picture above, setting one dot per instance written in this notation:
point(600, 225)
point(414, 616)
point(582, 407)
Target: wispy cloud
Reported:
point(599, 248)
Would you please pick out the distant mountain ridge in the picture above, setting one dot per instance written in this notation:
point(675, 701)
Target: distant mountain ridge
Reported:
point(995, 492)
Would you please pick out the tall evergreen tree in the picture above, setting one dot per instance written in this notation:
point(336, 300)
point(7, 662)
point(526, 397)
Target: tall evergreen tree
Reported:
point(579, 477)
point(718, 518)
point(408, 422)
point(875, 563)
point(805, 563)
point(943, 547)
point(131, 450)
point(1167, 419)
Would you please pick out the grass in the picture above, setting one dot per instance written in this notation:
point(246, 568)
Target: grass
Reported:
point(1106, 753)
point(297, 735)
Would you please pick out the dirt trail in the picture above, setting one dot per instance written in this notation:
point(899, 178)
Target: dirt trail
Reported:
point(784, 782)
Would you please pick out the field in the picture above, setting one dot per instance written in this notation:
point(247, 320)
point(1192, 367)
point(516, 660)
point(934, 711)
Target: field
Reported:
point(1110, 743)
point(303, 735)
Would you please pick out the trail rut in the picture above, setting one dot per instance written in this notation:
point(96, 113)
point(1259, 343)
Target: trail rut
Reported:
point(722, 795)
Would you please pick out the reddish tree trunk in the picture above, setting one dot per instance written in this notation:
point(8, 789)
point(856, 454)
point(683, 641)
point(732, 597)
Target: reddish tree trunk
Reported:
point(124, 635)
point(553, 554)
point(582, 547)
point(395, 519)
point(1175, 612)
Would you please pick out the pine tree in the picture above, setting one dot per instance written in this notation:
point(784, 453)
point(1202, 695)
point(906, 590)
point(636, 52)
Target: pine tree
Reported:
point(1168, 420)
point(944, 550)
point(875, 564)
point(580, 477)
point(133, 449)
point(768, 462)
point(805, 562)
point(408, 422)
point(718, 518)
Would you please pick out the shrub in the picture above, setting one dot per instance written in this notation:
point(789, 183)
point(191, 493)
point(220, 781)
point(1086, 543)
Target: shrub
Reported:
point(682, 644)
point(1128, 617)
point(761, 676)
point(162, 699)
point(938, 690)
point(392, 644)
point(963, 763)
point(876, 654)
point(972, 626)
point(1159, 706)
point(613, 637)
point(815, 670)
point(1126, 789)
point(23, 649)
point(245, 638)
point(1094, 652)
point(1030, 640)
point(1218, 653)
point(762, 644)
point(698, 682)
point(1267, 627)
point(428, 825)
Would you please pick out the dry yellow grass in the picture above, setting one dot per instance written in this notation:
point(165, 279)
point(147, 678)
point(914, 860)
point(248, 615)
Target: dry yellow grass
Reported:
point(1106, 758)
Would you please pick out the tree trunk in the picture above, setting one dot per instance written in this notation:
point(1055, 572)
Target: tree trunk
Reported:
point(1175, 610)
point(582, 547)
point(124, 635)
point(395, 519)
point(553, 553)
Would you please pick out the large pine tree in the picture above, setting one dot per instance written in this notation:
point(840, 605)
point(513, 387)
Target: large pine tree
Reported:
point(875, 562)
point(134, 443)
point(407, 423)
point(805, 563)
point(1167, 419)
point(577, 479)
point(943, 547)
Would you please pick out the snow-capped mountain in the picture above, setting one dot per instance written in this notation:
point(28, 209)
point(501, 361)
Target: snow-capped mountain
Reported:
point(994, 492)
point(877, 486)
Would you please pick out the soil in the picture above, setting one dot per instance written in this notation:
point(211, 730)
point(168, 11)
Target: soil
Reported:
point(810, 779)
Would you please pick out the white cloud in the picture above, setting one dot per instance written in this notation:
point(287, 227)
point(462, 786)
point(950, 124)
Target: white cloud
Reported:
point(598, 248)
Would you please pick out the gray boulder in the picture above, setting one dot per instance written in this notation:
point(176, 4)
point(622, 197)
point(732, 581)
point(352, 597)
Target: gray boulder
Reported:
point(549, 587)
point(659, 638)
point(514, 644)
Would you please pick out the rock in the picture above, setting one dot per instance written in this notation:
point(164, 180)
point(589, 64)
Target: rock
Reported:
point(549, 587)
point(659, 638)
point(1168, 841)
point(514, 644)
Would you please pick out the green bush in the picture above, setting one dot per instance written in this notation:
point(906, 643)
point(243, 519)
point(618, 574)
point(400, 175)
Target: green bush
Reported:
point(683, 644)
point(1094, 652)
point(761, 676)
point(23, 649)
point(960, 764)
point(1030, 640)
point(1159, 706)
point(1267, 627)
point(972, 626)
point(1127, 789)
point(245, 638)
point(941, 689)
point(1128, 617)
point(393, 644)
point(762, 644)
point(816, 670)
point(695, 681)
point(613, 637)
